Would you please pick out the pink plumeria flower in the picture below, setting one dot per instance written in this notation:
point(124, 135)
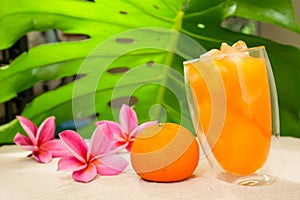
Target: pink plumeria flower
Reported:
point(40, 140)
point(100, 158)
point(124, 133)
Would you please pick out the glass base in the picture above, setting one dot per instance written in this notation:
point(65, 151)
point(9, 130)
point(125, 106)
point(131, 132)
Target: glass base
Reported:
point(249, 180)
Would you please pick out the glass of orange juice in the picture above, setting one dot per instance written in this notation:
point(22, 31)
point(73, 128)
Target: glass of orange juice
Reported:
point(233, 105)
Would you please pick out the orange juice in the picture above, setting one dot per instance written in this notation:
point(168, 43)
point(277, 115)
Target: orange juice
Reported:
point(242, 147)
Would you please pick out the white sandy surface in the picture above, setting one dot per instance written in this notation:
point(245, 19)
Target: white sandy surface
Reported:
point(22, 178)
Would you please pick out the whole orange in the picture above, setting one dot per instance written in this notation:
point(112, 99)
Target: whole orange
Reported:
point(165, 152)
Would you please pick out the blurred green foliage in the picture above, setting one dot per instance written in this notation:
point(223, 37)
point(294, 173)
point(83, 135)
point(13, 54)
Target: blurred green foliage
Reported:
point(200, 20)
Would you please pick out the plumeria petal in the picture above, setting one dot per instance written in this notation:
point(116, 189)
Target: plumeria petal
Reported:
point(24, 142)
point(70, 163)
point(111, 165)
point(46, 131)
point(56, 147)
point(42, 155)
point(124, 133)
point(75, 144)
point(129, 145)
point(146, 124)
point(133, 133)
point(29, 127)
point(85, 175)
point(100, 144)
point(123, 144)
point(128, 118)
point(141, 127)
point(110, 129)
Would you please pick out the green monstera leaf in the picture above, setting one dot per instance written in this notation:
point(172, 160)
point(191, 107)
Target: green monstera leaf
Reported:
point(133, 54)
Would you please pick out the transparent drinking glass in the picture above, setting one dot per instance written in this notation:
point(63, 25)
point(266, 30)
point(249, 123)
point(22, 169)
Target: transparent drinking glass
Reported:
point(234, 108)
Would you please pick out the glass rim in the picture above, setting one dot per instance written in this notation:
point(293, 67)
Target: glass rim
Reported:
point(222, 54)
